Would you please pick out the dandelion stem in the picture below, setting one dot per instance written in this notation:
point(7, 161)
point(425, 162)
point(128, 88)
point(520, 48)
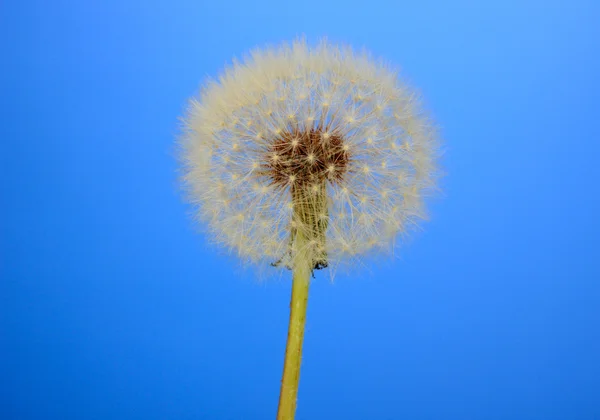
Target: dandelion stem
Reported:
point(293, 351)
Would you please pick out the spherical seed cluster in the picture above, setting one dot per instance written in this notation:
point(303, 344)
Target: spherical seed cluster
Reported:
point(316, 143)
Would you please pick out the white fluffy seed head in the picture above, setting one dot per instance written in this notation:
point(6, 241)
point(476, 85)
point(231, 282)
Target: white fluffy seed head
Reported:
point(322, 120)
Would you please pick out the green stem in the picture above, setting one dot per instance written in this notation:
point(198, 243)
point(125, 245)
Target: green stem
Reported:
point(293, 351)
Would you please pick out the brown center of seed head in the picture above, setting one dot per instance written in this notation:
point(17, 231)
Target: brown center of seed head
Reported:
point(304, 158)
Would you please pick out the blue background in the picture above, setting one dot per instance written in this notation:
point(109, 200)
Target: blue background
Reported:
point(113, 307)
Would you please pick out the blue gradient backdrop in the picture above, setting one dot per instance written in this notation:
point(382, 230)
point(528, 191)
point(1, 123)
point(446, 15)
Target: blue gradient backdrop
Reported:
point(113, 307)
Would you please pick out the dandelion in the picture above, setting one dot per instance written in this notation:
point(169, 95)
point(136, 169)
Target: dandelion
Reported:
point(306, 157)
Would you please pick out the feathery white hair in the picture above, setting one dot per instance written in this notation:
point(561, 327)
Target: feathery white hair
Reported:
point(320, 141)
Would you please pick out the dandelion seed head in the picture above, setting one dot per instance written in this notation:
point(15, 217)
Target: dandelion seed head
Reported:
point(312, 140)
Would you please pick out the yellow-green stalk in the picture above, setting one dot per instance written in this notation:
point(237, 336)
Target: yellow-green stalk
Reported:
point(293, 351)
point(308, 236)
